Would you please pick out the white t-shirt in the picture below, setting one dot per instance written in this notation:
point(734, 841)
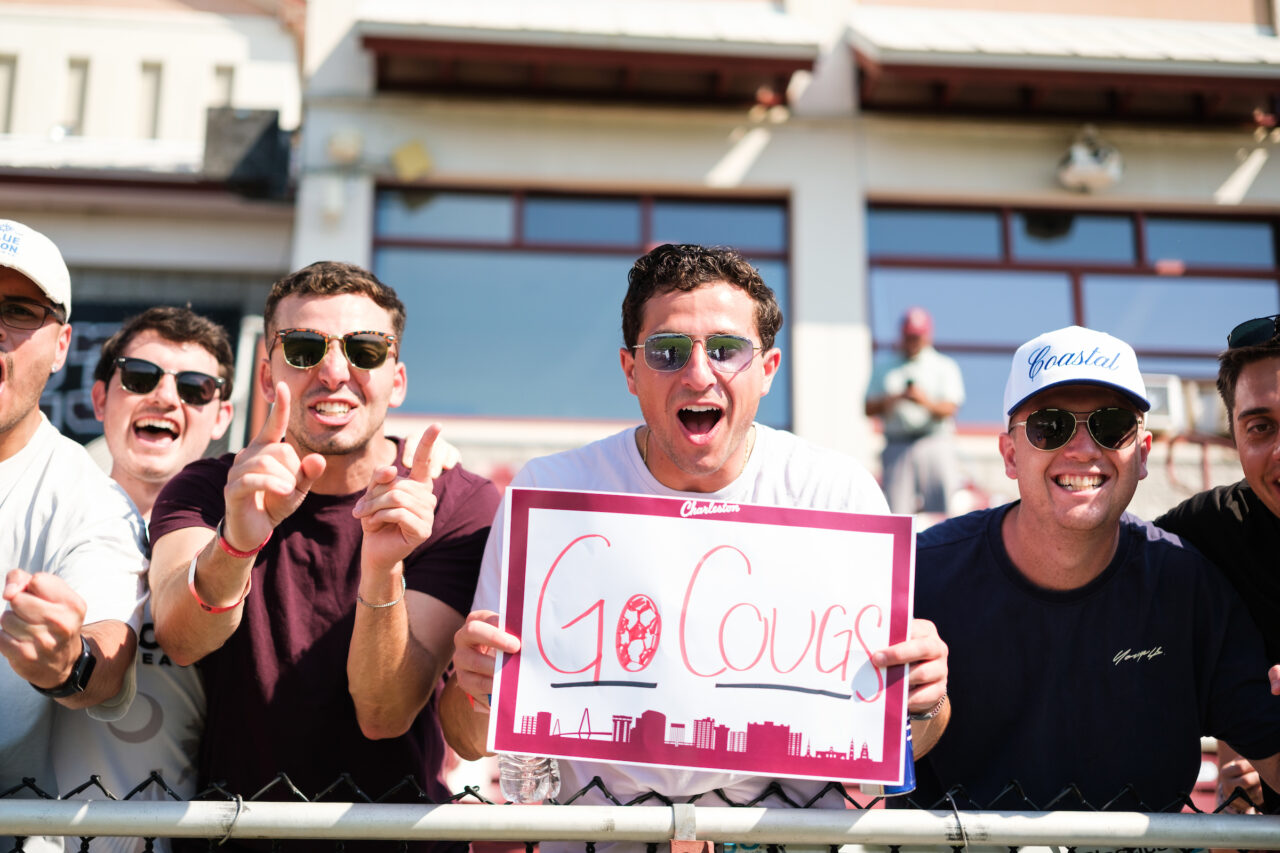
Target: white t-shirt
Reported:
point(937, 375)
point(161, 733)
point(783, 470)
point(60, 514)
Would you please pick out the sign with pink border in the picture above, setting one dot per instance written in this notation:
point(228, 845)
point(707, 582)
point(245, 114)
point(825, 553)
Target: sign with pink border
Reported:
point(704, 634)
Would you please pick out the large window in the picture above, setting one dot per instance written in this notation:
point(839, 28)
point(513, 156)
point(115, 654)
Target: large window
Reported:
point(514, 299)
point(992, 278)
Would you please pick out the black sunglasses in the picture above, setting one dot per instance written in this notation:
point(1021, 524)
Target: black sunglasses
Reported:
point(668, 352)
point(1112, 428)
point(1252, 333)
point(139, 376)
point(305, 348)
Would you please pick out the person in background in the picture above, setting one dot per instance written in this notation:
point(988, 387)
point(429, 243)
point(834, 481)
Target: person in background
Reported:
point(917, 395)
point(162, 389)
point(319, 582)
point(698, 327)
point(1088, 647)
point(71, 543)
point(1238, 526)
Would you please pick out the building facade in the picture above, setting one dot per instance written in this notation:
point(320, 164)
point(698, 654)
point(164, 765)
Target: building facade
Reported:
point(502, 163)
point(104, 120)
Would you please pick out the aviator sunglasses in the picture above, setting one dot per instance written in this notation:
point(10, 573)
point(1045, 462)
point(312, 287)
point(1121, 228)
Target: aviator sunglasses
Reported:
point(1112, 428)
point(1252, 333)
point(139, 376)
point(668, 352)
point(305, 348)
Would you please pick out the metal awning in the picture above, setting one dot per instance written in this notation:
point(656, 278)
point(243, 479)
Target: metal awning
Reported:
point(726, 51)
point(976, 61)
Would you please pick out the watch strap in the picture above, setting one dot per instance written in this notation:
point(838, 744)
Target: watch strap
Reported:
point(78, 680)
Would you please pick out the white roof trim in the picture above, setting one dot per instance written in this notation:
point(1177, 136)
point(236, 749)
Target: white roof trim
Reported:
point(1018, 40)
point(737, 27)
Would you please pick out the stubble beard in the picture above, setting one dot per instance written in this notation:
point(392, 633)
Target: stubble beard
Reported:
point(327, 444)
point(22, 409)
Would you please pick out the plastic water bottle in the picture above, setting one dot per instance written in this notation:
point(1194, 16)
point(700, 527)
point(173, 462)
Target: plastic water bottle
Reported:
point(528, 778)
point(908, 775)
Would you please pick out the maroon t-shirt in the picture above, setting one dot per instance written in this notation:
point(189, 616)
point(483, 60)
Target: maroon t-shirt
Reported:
point(278, 700)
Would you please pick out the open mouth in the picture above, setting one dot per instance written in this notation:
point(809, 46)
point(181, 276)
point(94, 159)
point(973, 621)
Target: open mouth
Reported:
point(155, 429)
point(700, 420)
point(1079, 482)
point(332, 412)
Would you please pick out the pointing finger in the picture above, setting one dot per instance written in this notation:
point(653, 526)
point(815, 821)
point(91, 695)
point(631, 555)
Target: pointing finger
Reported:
point(273, 428)
point(422, 456)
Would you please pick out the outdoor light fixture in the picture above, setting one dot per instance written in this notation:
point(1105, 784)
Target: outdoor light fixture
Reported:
point(1090, 164)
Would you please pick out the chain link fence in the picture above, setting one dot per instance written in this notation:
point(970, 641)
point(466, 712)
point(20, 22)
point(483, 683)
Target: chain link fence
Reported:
point(342, 812)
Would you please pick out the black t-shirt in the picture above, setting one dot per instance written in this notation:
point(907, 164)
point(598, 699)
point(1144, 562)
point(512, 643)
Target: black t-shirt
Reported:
point(278, 698)
point(1233, 528)
point(1107, 687)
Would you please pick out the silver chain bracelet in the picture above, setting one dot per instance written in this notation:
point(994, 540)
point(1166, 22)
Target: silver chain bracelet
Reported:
point(403, 587)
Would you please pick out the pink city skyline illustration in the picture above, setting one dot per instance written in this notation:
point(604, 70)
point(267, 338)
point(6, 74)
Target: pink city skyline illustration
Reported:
point(650, 738)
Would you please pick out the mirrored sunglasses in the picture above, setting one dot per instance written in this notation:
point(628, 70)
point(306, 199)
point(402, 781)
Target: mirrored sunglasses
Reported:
point(1252, 333)
point(139, 376)
point(668, 352)
point(1112, 428)
point(305, 348)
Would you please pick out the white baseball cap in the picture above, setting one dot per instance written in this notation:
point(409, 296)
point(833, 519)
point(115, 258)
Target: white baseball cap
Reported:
point(1073, 356)
point(34, 255)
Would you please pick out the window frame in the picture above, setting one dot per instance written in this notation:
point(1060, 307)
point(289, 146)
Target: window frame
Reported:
point(1075, 271)
point(518, 242)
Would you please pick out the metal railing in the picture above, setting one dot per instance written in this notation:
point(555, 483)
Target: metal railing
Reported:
point(660, 824)
point(770, 819)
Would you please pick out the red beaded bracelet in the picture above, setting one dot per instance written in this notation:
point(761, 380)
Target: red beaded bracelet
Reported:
point(210, 608)
point(226, 546)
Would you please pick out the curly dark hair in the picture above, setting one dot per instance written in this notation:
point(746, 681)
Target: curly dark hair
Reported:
point(687, 267)
point(331, 278)
point(1231, 362)
point(180, 325)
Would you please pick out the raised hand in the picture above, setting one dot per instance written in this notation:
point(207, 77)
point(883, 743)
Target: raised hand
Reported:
point(267, 481)
point(444, 456)
point(40, 627)
point(397, 513)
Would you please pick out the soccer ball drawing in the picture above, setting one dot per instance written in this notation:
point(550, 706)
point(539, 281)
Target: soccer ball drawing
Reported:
point(639, 629)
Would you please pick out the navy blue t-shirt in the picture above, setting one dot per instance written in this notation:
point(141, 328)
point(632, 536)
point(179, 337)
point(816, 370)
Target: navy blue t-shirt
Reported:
point(1107, 687)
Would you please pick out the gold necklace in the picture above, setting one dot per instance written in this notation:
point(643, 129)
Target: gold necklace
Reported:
point(751, 445)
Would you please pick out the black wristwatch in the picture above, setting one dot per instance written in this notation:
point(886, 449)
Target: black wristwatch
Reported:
point(78, 680)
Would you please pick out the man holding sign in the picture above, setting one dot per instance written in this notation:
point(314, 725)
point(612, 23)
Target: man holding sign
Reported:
point(699, 327)
point(317, 579)
point(1088, 647)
